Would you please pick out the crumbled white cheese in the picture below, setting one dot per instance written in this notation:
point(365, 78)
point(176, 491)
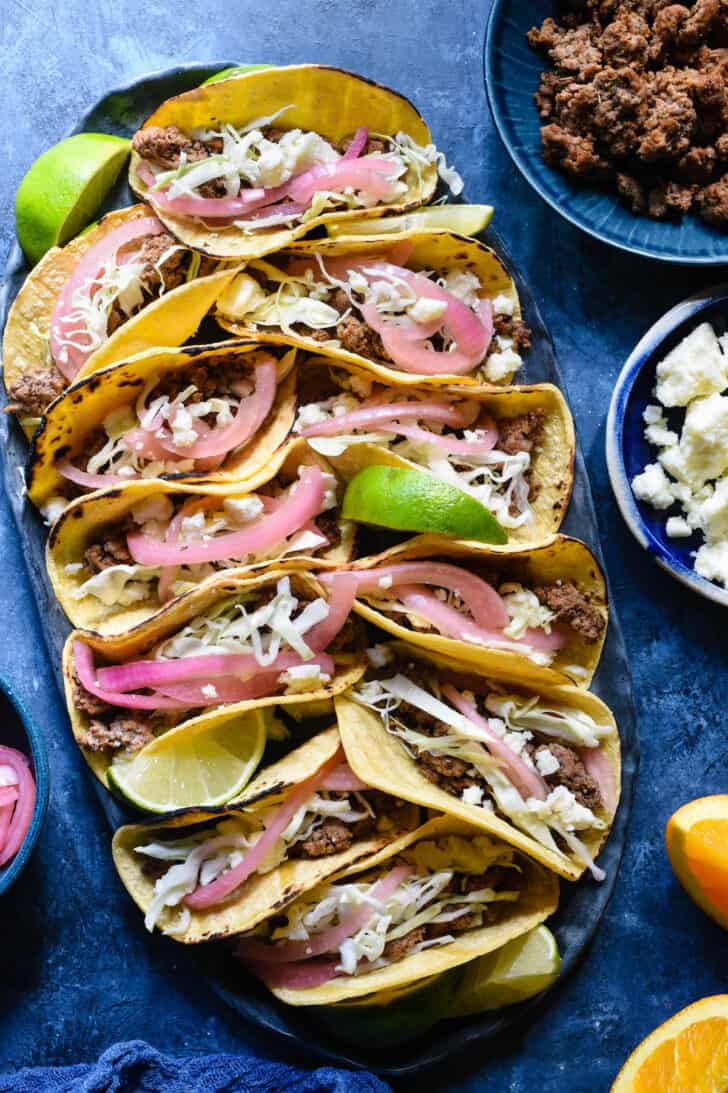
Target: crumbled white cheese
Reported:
point(499, 366)
point(653, 486)
point(472, 795)
point(209, 690)
point(693, 368)
point(704, 439)
point(711, 562)
point(303, 677)
point(53, 508)
point(657, 431)
point(385, 582)
point(379, 655)
point(525, 611)
point(546, 762)
point(502, 304)
point(713, 512)
point(677, 527)
point(241, 510)
point(424, 310)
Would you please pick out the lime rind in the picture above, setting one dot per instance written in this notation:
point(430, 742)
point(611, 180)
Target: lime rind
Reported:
point(205, 768)
point(64, 189)
point(230, 73)
point(523, 968)
point(409, 500)
point(463, 219)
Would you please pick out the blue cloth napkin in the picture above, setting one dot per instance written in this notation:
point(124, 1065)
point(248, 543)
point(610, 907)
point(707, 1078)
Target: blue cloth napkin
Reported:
point(136, 1067)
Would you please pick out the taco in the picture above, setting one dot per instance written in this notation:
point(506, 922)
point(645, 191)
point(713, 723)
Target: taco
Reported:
point(204, 874)
point(537, 613)
point(233, 643)
point(417, 307)
point(209, 415)
point(243, 167)
point(124, 286)
point(116, 557)
point(434, 899)
point(534, 764)
point(513, 449)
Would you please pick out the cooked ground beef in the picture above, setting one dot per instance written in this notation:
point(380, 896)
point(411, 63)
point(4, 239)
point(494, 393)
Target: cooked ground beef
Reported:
point(328, 525)
point(573, 775)
point(638, 100)
point(153, 868)
point(505, 326)
point(31, 393)
point(87, 703)
point(222, 375)
point(520, 434)
point(110, 551)
point(402, 946)
point(356, 336)
point(127, 732)
point(573, 608)
point(374, 146)
point(331, 837)
point(164, 146)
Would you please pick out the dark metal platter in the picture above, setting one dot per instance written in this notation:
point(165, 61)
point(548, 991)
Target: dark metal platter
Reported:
point(582, 905)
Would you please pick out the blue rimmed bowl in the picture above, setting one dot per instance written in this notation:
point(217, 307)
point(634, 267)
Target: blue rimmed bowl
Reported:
point(627, 450)
point(512, 72)
point(19, 730)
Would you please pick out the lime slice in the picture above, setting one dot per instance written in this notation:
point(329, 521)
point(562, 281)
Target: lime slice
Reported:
point(64, 189)
point(463, 219)
point(523, 968)
point(392, 1017)
point(203, 765)
point(394, 497)
point(237, 70)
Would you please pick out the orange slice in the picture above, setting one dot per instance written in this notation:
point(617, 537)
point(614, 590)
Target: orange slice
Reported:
point(697, 845)
point(688, 1054)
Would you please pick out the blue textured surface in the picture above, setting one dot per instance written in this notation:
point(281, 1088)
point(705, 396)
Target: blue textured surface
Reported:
point(85, 975)
point(21, 731)
point(513, 70)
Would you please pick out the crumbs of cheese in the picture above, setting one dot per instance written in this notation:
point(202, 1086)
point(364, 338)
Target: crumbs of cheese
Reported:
point(500, 365)
point(303, 678)
point(692, 467)
point(524, 610)
point(241, 510)
point(695, 367)
point(546, 762)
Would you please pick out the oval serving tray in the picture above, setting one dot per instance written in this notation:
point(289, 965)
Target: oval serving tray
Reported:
point(582, 905)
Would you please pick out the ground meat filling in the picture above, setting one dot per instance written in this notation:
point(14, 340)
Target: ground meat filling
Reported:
point(505, 326)
point(33, 391)
point(638, 100)
point(496, 877)
point(109, 551)
point(333, 835)
point(522, 433)
point(163, 147)
point(110, 728)
point(573, 774)
point(573, 608)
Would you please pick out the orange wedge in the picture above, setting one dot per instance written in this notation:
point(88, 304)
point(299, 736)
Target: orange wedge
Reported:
point(688, 1054)
point(697, 845)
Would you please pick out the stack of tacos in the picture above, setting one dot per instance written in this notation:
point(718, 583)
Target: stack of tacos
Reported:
point(445, 763)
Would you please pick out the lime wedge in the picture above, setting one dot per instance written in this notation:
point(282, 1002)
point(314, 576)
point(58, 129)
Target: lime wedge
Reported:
point(237, 70)
point(523, 968)
point(463, 219)
point(394, 497)
point(64, 189)
point(203, 765)
point(394, 1016)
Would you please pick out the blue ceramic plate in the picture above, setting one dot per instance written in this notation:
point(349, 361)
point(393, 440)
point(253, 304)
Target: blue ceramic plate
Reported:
point(627, 450)
point(582, 905)
point(512, 71)
point(20, 731)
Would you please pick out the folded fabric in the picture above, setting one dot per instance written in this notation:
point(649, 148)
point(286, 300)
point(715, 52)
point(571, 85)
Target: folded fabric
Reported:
point(136, 1067)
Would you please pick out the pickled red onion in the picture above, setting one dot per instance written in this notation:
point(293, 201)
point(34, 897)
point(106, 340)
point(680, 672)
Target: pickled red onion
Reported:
point(84, 664)
point(526, 780)
point(8, 795)
point(358, 143)
point(366, 175)
point(302, 502)
point(228, 689)
point(480, 598)
point(300, 976)
point(448, 443)
point(91, 481)
point(598, 766)
point(374, 416)
point(70, 358)
point(343, 780)
point(15, 826)
point(209, 894)
point(160, 673)
point(341, 601)
point(211, 207)
point(328, 940)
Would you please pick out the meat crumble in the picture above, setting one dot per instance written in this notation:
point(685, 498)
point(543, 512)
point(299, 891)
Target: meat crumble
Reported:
point(637, 100)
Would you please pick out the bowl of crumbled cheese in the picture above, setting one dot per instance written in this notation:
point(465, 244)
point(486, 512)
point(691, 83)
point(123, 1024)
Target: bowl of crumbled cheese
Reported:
point(667, 442)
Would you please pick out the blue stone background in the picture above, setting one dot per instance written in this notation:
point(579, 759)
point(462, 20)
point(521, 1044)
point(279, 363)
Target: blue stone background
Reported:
point(77, 971)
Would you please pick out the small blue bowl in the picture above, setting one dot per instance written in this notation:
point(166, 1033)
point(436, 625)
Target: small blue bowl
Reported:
point(512, 71)
point(19, 730)
point(627, 450)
